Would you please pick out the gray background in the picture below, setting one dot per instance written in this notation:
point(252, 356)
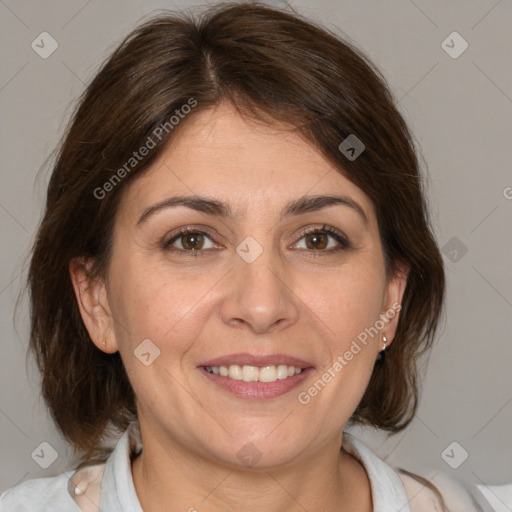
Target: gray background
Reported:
point(460, 110)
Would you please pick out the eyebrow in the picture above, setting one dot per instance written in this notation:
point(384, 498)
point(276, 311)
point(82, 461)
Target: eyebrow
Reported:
point(217, 208)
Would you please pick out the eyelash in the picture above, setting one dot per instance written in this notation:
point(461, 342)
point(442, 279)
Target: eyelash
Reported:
point(314, 253)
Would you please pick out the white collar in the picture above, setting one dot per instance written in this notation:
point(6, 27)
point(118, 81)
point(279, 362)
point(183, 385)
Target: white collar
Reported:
point(388, 491)
point(118, 491)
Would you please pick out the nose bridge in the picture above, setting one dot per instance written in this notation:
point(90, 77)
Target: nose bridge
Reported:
point(259, 295)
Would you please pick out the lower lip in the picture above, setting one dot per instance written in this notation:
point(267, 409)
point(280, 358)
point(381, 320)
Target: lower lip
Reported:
point(258, 390)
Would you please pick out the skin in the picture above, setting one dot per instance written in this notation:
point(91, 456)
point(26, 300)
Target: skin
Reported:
point(294, 299)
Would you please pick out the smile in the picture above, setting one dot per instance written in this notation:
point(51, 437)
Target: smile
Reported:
point(256, 383)
point(270, 373)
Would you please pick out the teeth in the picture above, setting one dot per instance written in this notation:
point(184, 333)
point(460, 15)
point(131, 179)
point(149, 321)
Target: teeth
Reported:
point(235, 372)
point(250, 373)
point(269, 373)
point(282, 371)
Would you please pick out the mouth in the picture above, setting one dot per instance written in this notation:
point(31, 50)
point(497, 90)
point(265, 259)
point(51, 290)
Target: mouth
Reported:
point(246, 373)
point(256, 377)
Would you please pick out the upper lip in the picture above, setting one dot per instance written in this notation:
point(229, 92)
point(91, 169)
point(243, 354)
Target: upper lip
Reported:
point(246, 359)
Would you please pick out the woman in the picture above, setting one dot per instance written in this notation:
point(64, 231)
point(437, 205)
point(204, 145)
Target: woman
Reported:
point(234, 265)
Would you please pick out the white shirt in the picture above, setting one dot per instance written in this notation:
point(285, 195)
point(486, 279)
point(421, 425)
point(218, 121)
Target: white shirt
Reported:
point(112, 485)
point(499, 496)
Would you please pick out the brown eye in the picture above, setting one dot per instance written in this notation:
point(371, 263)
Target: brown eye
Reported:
point(316, 240)
point(324, 240)
point(192, 241)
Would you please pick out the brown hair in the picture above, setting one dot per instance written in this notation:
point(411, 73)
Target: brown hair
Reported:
point(271, 65)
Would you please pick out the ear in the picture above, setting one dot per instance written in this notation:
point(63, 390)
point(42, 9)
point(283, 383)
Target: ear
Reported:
point(392, 303)
point(91, 295)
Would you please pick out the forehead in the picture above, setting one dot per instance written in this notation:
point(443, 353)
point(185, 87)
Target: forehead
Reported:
point(241, 161)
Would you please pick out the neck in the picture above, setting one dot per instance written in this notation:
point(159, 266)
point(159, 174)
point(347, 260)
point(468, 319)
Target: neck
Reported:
point(169, 477)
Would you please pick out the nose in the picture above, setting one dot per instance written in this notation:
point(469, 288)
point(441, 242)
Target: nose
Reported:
point(259, 296)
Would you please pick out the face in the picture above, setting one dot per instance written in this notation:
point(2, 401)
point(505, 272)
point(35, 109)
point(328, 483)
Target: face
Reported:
point(271, 285)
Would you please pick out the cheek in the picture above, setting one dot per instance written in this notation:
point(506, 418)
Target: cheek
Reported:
point(347, 305)
point(168, 308)
point(171, 311)
point(348, 301)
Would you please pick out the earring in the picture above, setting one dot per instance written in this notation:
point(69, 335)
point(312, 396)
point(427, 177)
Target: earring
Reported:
point(380, 355)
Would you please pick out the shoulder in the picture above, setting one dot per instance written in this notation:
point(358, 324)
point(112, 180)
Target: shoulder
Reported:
point(40, 494)
point(71, 491)
point(495, 497)
point(78, 490)
point(423, 498)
